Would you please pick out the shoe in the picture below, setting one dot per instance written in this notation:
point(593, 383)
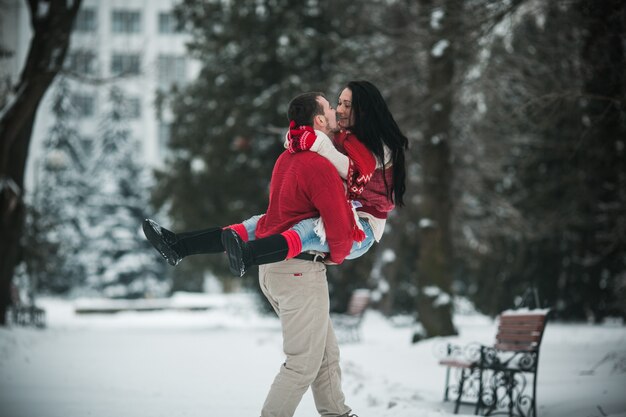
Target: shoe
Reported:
point(163, 241)
point(239, 257)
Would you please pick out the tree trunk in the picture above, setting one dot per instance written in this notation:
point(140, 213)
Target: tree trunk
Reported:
point(435, 260)
point(45, 58)
point(602, 244)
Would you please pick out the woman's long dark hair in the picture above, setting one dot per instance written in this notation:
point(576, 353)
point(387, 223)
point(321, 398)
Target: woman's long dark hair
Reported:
point(374, 126)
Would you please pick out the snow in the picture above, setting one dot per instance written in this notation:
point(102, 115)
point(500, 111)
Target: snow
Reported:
point(439, 48)
point(528, 312)
point(426, 223)
point(198, 165)
point(435, 18)
point(221, 361)
point(388, 256)
point(441, 298)
point(7, 182)
point(43, 9)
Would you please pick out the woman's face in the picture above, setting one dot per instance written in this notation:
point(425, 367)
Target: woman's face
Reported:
point(344, 109)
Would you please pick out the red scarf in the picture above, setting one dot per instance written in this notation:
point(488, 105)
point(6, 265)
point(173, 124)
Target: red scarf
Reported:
point(362, 162)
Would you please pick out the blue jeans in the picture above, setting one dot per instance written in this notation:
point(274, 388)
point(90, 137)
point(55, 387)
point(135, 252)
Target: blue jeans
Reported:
point(311, 241)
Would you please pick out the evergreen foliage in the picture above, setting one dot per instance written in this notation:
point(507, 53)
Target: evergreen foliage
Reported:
point(543, 211)
point(89, 203)
point(120, 261)
point(536, 149)
point(58, 216)
point(229, 125)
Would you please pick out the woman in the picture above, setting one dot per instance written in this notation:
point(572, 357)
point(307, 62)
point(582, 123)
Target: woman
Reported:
point(368, 152)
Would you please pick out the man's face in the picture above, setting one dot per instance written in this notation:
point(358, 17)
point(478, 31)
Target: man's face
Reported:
point(328, 122)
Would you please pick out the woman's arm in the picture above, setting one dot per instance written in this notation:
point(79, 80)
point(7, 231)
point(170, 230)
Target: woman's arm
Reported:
point(325, 147)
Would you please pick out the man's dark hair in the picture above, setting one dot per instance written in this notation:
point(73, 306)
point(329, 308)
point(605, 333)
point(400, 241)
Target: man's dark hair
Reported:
point(303, 108)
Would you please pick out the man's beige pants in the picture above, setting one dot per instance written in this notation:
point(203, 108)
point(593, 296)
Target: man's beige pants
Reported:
point(298, 291)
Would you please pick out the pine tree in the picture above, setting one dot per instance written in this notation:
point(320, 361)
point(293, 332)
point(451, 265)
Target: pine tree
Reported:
point(229, 124)
point(120, 262)
point(547, 148)
point(56, 235)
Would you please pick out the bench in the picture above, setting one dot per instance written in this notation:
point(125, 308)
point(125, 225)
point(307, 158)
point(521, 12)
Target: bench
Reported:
point(348, 324)
point(22, 314)
point(495, 379)
point(27, 315)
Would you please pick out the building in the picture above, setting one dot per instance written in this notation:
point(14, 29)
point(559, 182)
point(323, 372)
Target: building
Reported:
point(132, 44)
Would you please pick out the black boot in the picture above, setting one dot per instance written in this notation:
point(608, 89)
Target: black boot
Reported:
point(175, 246)
point(242, 255)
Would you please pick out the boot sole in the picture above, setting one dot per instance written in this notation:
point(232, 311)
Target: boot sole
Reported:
point(232, 245)
point(156, 239)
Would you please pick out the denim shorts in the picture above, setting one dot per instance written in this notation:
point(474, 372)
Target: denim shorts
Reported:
point(311, 242)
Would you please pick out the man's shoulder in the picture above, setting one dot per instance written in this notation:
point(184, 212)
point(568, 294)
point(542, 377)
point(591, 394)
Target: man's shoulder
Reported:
point(306, 159)
point(310, 169)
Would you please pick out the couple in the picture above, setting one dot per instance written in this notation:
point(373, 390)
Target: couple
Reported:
point(287, 241)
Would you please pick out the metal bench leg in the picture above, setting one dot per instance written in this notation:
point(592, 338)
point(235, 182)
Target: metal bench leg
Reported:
point(511, 380)
point(479, 400)
point(534, 405)
point(458, 398)
point(445, 391)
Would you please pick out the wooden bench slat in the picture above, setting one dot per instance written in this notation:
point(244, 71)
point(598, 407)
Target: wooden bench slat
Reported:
point(516, 347)
point(347, 325)
point(521, 327)
point(358, 303)
point(517, 337)
point(455, 363)
point(532, 318)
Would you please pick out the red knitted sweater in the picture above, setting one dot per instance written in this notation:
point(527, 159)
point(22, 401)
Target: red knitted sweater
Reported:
point(306, 185)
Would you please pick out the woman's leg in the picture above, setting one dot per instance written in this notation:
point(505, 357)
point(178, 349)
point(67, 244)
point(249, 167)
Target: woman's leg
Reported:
point(359, 248)
point(300, 238)
point(312, 242)
point(250, 226)
point(176, 246)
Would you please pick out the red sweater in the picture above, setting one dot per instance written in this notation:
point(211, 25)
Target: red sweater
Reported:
point(306, 185)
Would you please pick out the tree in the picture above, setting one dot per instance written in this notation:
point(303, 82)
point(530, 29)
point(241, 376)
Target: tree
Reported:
point(58, 216)
point(52, 22)
point(543, 207)
point(229, 124)
point(90, 198)
point(118, 261)
point(598, 254)
point(435, 258)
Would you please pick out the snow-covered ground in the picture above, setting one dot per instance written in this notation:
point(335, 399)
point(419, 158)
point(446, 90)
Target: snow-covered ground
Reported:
point(220, 362)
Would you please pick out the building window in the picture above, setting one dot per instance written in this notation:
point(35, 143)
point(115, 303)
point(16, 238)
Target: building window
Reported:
point(81, 62)
point(132, 108)
point(168, 23)
point(125, 64)
point(85, 21)
point(87, 144)
point(84, 105)
point(164, 137)
point(172, 70)
point(126, 21)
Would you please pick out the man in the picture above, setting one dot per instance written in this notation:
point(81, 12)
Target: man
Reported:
point(303, 185)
